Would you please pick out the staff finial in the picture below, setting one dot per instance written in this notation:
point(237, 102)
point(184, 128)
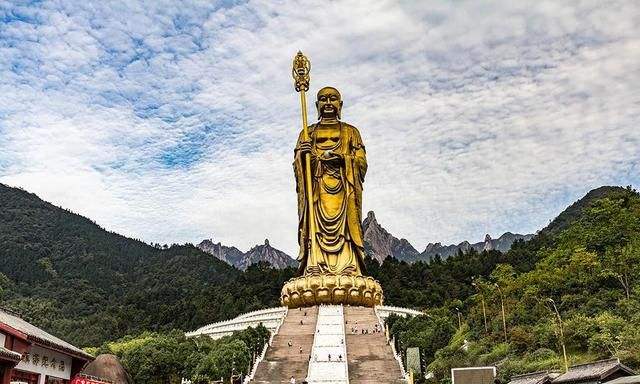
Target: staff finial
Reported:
point(300, 72)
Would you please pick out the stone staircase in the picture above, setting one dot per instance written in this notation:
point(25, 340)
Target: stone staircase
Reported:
point(328, 363)
point(282, 361)
point(370, 358)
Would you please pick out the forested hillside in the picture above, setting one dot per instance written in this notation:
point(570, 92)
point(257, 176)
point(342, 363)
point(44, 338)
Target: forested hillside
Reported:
point(87, 285)
point(586, 263)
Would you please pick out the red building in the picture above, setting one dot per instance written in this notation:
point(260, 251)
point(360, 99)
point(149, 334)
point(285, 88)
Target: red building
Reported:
point(29, 355)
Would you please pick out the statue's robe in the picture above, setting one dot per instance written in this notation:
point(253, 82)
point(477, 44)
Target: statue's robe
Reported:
point(337, 201)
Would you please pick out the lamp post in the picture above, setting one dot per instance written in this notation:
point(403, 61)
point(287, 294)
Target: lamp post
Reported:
point(459, 318)
point(564, 350)
point(504, 318)
point(484, 309)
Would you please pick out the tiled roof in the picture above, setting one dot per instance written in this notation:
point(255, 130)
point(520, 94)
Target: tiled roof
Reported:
point(625, 380)
point(533, 378)
point(595, 370)
point(39, 336)
point(10, 355)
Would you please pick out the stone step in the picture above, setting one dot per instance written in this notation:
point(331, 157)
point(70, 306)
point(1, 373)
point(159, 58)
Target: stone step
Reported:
point(283, 361)
point(328, 364)
point(369, 356)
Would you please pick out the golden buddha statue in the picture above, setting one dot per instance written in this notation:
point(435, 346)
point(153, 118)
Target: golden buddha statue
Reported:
point(338, 167)
point(330, 226)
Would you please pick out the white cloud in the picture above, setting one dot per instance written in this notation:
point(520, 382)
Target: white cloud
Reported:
point(172, 122)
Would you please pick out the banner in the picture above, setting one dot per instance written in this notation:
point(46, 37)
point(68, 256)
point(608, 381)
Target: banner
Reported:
point(84, 380)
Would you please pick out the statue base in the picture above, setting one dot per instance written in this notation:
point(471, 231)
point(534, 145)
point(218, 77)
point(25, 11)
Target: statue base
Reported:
point(310, 290)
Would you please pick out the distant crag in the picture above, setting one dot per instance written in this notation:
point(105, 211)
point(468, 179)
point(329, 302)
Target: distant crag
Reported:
point(502, 244)
point(379, 244)
point(259, 253)
point(230, 255)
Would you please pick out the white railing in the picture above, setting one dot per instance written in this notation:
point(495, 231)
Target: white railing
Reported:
point(245, 316)
point(270, 318)
point(405, 374)
point(404, 312)
point(254, 369)
point(329, 340)
point(262, 311)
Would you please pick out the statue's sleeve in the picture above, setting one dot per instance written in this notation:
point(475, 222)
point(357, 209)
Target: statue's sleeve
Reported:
point(360, 155)
point(356, 168)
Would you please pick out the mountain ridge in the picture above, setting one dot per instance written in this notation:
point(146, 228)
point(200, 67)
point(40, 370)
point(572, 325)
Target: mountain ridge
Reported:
point(379, 244)
point(242, 260)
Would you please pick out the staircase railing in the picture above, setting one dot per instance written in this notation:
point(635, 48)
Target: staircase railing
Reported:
point(254, 369)
point(403, 371)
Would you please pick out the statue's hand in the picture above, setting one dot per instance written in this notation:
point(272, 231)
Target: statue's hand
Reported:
point(331, 155)
point(305, 147)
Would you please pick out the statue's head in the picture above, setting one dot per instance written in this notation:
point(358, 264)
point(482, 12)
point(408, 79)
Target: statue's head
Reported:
point(328, 103)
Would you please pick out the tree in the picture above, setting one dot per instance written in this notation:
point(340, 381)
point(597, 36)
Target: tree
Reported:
point(227, 358)
point(158, 359)
point(624, 265)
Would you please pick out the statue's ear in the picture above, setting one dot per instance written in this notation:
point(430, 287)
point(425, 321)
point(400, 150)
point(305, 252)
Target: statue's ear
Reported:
point(318, 110)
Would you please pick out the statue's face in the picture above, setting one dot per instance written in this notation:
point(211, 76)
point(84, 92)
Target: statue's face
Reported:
point(329, 103)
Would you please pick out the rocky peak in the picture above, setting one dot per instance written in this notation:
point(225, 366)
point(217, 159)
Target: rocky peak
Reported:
point(488, 243)
point(229, 255)
point(260, 252)
point(502, 244)
point(379, 243)
point(371, 216)
point(265, 252)
point(432, 246)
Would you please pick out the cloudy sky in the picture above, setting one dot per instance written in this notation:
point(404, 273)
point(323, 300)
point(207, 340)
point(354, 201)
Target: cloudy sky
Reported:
point(175, 121)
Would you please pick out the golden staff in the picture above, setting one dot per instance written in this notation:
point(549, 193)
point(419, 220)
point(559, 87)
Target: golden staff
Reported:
point(300, 72)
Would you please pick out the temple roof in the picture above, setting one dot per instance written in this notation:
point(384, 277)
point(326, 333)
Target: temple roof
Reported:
point(40, 337)
point(9, 355)
point(534, 378)
point(625, 380)
point(597, 370)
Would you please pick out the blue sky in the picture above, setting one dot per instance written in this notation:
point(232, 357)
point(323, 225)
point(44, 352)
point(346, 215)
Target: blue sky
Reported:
point(175, 121)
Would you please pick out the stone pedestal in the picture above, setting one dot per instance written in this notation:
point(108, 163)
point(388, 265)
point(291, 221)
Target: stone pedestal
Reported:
point(310, 290)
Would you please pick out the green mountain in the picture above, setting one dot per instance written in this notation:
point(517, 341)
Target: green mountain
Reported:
point(65, 273)
point(576, 210)
point(584, 268)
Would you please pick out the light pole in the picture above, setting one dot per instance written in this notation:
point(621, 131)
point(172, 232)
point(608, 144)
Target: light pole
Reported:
point(484, 309)
point(459, 318)
point(564, 350)
point(504, 318)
